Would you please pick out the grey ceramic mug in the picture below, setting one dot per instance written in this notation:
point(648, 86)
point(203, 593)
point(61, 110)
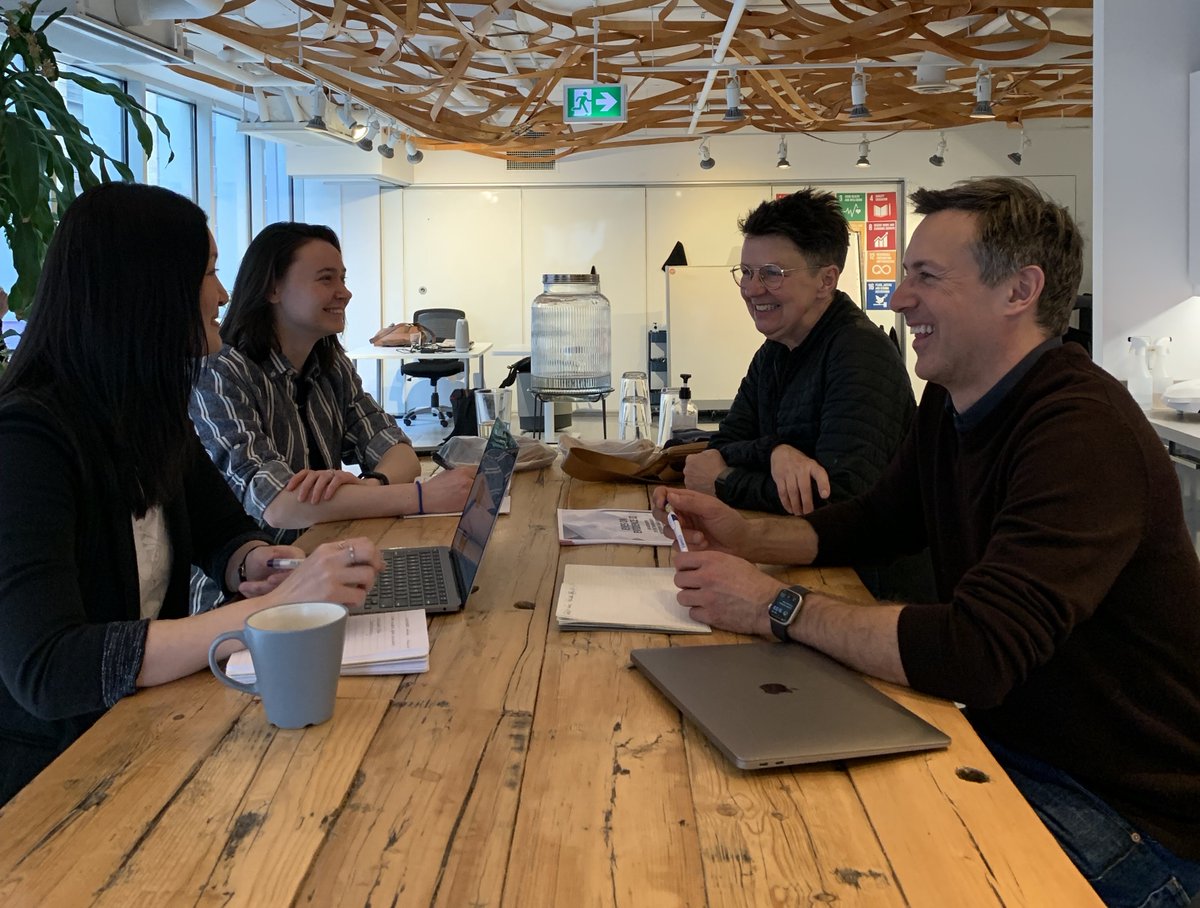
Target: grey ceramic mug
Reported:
point(297, 653)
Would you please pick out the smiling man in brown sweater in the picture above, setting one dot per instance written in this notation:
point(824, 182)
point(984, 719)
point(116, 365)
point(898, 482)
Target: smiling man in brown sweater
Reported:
point(1068, 613)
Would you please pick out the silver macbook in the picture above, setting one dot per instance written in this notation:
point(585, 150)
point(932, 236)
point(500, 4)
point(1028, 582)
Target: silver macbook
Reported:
point(772, 704)
point(439, 578)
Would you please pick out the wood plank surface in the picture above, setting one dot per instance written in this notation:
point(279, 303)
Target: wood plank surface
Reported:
point(527, 767)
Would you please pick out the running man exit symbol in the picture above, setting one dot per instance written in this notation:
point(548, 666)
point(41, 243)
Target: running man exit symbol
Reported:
point(594, 104)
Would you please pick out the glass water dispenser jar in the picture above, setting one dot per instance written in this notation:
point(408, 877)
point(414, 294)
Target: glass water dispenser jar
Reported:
point(570, 332)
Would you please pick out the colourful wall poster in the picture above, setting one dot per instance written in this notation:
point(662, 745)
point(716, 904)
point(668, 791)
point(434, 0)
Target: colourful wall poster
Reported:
point(854, 205)
point(881, 235)
point(881, 206)
point(879, 294)
point(881, 265)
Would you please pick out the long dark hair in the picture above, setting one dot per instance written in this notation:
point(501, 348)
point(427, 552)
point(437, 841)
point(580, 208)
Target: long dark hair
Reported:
point(116, 335)
point(249, 322)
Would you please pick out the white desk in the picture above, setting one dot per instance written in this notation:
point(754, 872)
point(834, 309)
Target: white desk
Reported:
point(379, 354)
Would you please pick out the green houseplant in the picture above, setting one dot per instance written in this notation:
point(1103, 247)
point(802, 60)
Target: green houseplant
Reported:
point(46, 153)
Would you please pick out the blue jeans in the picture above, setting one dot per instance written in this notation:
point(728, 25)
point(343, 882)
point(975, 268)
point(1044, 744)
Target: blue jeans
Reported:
point(1127, 868)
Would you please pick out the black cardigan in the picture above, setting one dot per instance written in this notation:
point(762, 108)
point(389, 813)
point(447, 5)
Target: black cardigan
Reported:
point(71, 635)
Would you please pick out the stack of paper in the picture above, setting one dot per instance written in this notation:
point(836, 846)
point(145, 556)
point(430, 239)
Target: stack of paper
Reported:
point(601, 597)
point(387, 643)
point(609, 526)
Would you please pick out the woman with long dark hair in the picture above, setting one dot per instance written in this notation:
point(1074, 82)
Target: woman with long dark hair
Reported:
point(280, 408)
point(106, 496)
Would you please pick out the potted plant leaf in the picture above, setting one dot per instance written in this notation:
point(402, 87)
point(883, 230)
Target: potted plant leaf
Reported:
point(46, 153)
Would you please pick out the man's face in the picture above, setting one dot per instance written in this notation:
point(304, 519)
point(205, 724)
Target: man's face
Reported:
point(787, 313)
point(956, 321)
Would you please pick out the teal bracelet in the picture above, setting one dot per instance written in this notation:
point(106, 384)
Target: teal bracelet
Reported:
point(420, 497)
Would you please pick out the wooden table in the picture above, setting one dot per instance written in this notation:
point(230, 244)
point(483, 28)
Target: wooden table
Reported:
point(526, 767)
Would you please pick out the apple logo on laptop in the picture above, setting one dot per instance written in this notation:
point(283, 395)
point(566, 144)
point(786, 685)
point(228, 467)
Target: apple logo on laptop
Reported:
point(772, 688)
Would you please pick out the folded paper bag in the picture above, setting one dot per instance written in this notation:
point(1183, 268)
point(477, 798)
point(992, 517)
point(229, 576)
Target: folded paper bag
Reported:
point(650, 465)
point(398, 334)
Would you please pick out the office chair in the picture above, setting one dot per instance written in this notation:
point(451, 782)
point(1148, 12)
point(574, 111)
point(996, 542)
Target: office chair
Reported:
point(442, 323)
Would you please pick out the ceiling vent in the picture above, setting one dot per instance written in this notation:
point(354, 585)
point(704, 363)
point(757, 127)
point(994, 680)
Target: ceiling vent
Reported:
point(541, 159)
point(931, 80)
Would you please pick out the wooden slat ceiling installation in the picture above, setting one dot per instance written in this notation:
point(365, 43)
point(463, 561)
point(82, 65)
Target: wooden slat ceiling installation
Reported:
point(488, 77)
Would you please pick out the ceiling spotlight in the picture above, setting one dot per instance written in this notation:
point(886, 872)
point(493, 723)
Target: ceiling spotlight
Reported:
point(983, 96)
point(346, 115)
point(412, 154)
point(707, 161)
point(864, 152)
point(938, 158)
point(782, 163)
point(367, 142)
point(385, 143)
point(317, 120)
point(858, 94)
point(1019, 154)
point(733, 98)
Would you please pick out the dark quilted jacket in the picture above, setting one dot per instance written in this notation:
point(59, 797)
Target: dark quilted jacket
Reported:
point(842, 397)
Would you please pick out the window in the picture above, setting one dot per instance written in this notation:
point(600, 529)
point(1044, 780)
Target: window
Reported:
point(180, 118)
point(230, 214)
point(98, 113)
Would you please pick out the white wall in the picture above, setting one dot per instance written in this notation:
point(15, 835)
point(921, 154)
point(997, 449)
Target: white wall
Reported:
point(1143, 59)
point(469, 233)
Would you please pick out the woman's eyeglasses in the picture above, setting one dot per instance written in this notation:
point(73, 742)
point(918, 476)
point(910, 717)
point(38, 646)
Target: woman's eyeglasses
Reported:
point(770, 276)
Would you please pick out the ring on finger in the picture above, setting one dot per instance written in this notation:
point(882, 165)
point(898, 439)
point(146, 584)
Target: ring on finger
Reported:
point(352, 560)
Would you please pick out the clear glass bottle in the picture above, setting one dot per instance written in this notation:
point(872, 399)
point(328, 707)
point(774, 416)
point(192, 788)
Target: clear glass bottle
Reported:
point(685, 415)
point(570, 332)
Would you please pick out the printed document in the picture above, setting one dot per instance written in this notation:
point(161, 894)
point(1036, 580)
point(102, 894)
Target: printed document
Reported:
point(607, 526)
point(387, 643)
point(604, 597)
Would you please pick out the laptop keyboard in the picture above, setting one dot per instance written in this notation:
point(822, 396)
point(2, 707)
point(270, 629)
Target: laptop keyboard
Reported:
point(411, 578)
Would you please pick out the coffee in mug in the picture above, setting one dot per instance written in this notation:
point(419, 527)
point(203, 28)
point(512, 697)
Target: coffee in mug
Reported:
point(297, 655)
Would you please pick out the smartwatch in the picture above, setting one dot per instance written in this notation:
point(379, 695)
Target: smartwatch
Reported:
point(371, 474)
point(785, 608)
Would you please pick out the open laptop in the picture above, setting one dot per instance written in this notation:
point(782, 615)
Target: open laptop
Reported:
point(439, 578)
point(771, 704)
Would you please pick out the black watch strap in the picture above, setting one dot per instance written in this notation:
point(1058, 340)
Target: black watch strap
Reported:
point(371, 474)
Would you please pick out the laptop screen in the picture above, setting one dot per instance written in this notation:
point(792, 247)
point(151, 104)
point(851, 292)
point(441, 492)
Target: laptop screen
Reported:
point(483, 503)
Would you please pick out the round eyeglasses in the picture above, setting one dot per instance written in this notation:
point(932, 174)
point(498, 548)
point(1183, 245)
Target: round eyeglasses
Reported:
point(770, 276)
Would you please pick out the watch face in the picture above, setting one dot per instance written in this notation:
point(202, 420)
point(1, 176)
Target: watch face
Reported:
point(784, 606)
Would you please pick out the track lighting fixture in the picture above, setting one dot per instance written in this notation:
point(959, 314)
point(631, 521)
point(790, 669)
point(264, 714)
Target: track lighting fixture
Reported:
point(346, 115)
point(1017, 156)
point(983, 96)
point(938, 158)
point(782, 163)
point(385, 143)
point(864, 153)
point(858, 94)
point(707, 161)
point(317, 120)
point(412, 154)
point(367, 142)
point(733, 98)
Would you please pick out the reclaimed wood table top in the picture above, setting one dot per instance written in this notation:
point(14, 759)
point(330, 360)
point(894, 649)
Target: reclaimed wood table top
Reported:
point(527, 767)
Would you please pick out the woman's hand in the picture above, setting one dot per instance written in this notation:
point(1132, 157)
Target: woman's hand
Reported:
point(318, 485)
point(261, 578)
point(334, 572)
point(795, 474)
point(446, 493)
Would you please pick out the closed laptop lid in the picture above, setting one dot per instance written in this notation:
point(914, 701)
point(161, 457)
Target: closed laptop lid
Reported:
point(483, 504)
point(773, 704)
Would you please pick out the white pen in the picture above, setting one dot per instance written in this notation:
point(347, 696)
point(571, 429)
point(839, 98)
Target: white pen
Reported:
point(673, 520)
point(284, 564)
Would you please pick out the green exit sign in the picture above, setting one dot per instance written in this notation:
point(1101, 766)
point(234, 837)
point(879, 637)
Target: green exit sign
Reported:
point(594, 104)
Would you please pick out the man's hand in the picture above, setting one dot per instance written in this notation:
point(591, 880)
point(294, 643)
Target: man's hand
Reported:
point(795, 474)
point(708, 524)
point(725, 592)
point(700, 471)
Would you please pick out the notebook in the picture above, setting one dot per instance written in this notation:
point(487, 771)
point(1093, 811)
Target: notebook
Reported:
point(439, 578)
point(774, 704)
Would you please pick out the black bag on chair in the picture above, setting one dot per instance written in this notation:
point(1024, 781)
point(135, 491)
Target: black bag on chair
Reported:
point(465, 421)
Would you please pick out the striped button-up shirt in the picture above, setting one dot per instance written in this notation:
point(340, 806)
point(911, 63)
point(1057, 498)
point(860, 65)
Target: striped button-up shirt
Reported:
point(247, 417)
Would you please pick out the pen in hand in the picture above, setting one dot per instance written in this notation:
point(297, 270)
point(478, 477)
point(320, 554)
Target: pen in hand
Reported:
point(676, 527)
point(284, 564)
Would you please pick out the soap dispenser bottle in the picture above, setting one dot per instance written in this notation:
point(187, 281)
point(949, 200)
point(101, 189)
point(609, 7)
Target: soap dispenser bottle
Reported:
point(685, 416)
point(1141, 382)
